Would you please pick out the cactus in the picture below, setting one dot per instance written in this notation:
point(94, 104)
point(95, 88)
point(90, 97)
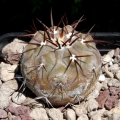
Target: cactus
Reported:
point(61, 65)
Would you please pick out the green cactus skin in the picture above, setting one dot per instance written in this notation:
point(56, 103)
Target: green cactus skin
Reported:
point(61, 64)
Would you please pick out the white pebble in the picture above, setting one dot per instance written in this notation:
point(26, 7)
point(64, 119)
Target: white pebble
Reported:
point(93, 106)
point(106, 59)
point(116, 116)
point(9, 87)
point(4, 101)
point(117, 75)
point(83, 117)
point(70, 114)
point(111, 53)
point(96, 116)
point(79, 109)
point(18, 98)
point(7, 71)
point(13, 47)
point(55, 114)
point(39, 114)
point(101, 78)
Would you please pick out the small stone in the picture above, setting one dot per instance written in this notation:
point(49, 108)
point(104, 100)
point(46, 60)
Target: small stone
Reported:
point(111, 53)
point(93, 106)
point(117, 59)
point(102, 98)
point(117, 52)
point(79, 109)
point(117, 75)
point(104, 85)
point(111, 102)
point(20, 110)
point(96, 116)
point(13, 50)
point(116, 116)
point(4, 101)
point(39, 114)
point(70, 114)
point(18, 98)
point(26, 117)
point(113, 68)
point(113, 82)
point(16, 118)
point(109, 74)
point(55, 114)
point(16, 45)
point(106, 59)
point(9, 87)
point(99, 111)
point(7, 71)
point(101, 78)
point(114, 91)
point(83, 117)
point(32, 102)
point(3, 114)
point(10, 116)
point(115, 110)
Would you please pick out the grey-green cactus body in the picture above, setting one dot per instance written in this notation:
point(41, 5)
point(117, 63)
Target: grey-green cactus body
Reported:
point(61, 65)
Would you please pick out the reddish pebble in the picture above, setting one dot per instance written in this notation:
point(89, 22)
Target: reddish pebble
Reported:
point(26, 117)
point(111, 102)
point(18, 110)
point(3, 113)
point(17, 118)
point(103, 95)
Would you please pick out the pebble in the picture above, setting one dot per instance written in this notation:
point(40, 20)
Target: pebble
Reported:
point(115, 110)
point(116, 116)
point(83, 117)
point(31, 102)
point(117, 74)
point(9, 87)
point(117, 52)
point(15, 45)
point(7, 71)
point(70, 114)
point(111, 102)
point(104, 85)
point(79, 109)
point(93, 106)
point(102, 98)
point(96, 116)
point(109, 74)
point(117, 59)
point(3, 114)
point(101, 78)
point(55, 114)
point(4, 100)
point(16, 118)
point(18, 98)
point(112, 82)
point(111, 53)
point(20, 110)
point(106, 59)
point(39, 114)
point(26, 117)
point(113, 68)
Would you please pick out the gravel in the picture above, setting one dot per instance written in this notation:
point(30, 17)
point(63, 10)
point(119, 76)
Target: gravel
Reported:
point(103, 103)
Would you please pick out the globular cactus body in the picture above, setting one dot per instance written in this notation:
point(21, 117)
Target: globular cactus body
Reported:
point(61, 64)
